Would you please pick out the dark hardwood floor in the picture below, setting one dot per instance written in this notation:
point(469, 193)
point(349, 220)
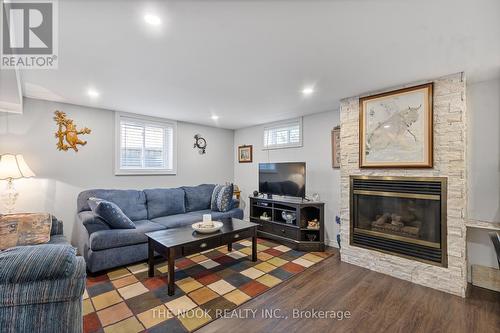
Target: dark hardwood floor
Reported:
point(377, 303)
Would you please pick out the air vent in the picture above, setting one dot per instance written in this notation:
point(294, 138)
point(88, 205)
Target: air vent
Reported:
point(398, 185)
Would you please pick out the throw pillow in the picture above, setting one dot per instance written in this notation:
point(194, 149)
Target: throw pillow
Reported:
point(215, 194)
point(110, 213)
point(92, 201)
point(24, 229)
point(198, 197)
point(222, 198)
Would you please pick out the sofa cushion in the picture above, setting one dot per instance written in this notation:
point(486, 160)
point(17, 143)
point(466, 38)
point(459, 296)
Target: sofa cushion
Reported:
point(182, 220)
point(108, 239)
point(131, 202)
point(235, 212)
point(164, 202)
point(179, 220)
point(111, 214)
point(198, 197)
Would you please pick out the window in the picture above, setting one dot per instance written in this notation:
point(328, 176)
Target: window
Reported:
point(284, 134)
point(144, 145)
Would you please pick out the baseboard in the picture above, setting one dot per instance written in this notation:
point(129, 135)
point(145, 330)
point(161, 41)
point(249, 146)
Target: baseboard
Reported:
point(332, 243)
point(486, 277)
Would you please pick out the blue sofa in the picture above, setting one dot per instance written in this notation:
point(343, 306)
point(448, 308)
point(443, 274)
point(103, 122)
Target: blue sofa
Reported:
point(41, 286)
point(150, 210)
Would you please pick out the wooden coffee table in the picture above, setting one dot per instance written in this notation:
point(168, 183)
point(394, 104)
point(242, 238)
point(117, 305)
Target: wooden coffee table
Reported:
point(184, 241)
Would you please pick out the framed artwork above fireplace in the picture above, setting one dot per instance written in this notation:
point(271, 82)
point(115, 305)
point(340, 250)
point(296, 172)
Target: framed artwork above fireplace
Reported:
point(395, 129)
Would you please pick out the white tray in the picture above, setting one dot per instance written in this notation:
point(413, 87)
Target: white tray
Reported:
point(198, 227)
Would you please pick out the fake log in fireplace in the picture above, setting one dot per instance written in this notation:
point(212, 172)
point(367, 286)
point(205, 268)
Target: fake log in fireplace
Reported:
point(400, 215)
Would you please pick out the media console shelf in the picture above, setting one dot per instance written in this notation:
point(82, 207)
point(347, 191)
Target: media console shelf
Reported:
point(295, 235)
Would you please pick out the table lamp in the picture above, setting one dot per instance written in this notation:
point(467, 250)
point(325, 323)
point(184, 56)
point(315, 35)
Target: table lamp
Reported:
point(12, 167)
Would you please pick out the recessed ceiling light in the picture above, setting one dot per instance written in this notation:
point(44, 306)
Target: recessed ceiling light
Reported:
point(152, 19)
point(93, 93)
point(214, 117)
point(307, 91)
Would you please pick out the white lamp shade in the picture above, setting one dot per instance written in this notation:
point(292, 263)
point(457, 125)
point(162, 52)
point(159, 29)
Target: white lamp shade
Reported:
point(14, 166)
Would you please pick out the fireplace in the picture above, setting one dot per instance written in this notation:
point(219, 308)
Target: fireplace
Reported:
point(400, 215)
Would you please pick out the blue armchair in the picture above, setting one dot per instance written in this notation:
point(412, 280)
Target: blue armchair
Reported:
point(41, 287)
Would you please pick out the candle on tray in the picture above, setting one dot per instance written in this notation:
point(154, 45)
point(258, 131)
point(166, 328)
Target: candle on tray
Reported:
point(207, 220)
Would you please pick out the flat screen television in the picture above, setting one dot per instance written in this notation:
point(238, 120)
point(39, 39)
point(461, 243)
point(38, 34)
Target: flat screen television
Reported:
point(286, 179)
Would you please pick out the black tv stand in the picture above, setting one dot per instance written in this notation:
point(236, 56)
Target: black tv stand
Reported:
point(295, 235)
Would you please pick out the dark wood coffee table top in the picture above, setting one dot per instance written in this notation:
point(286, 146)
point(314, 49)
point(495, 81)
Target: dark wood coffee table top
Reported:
point(182, 241)
point(185, 235)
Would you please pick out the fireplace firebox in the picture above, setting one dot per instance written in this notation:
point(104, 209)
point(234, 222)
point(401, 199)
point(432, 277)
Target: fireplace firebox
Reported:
point(400, 215)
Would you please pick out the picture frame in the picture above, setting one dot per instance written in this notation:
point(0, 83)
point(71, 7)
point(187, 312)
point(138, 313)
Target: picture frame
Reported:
point(245, 154)
point(396, 128)
point(336, 147)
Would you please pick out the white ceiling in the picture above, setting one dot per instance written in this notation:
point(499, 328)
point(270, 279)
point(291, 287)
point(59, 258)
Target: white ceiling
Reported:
point(247, 61)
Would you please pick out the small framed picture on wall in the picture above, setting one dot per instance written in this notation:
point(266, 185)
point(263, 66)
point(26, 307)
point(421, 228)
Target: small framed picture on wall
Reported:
point(245, 153)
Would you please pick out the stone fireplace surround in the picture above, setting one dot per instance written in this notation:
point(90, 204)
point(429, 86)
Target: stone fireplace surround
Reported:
point(450, 143)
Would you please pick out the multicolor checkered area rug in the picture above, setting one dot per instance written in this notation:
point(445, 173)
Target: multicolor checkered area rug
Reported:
point(126, 300)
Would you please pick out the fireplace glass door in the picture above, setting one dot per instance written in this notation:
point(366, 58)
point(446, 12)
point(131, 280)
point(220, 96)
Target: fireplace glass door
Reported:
point(400, 215)
point(415, 220)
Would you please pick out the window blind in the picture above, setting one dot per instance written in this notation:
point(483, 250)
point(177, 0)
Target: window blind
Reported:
point(283, 134)
point(145, 145)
